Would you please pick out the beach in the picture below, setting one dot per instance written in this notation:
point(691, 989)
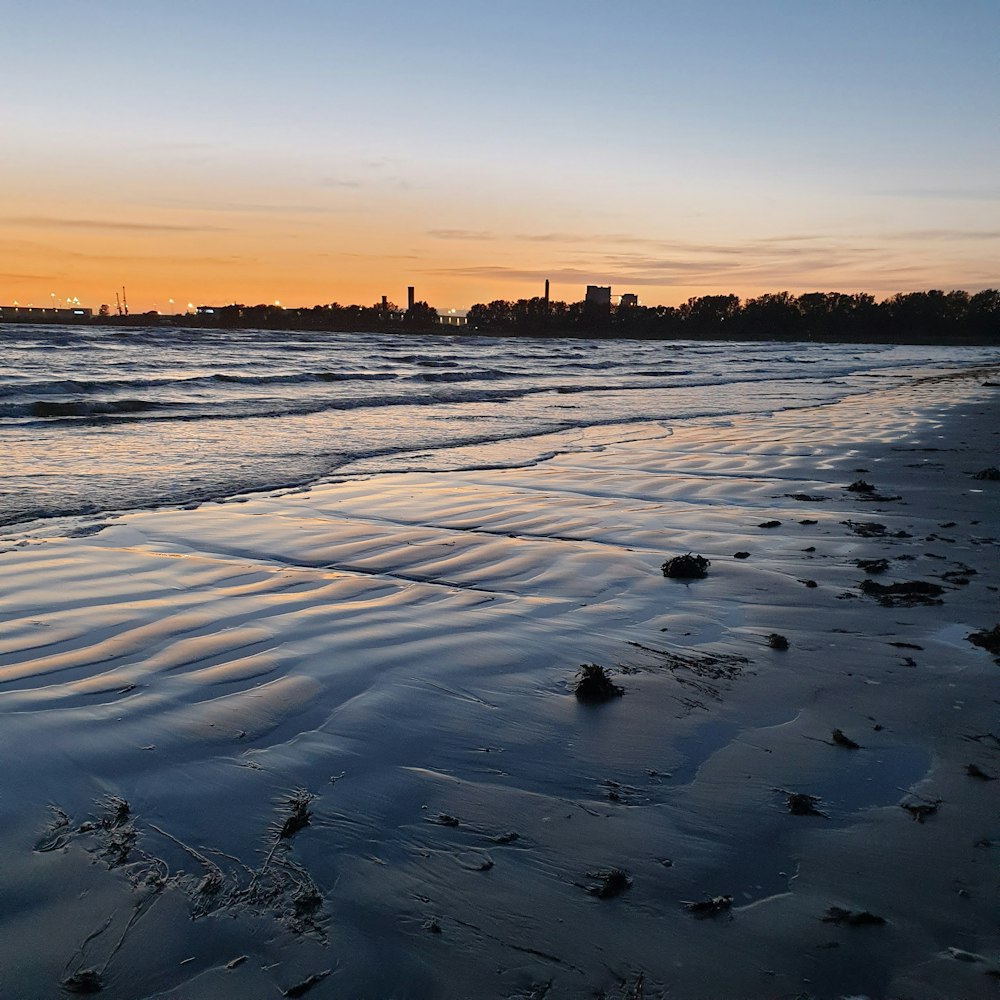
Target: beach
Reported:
point(324, 740)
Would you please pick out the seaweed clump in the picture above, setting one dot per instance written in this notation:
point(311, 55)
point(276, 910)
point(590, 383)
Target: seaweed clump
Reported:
point(842, 740)
point(610, 883)
point(801, 804)
point(859, 918)
point(872, 566)
point(594, 686)
point(686, 567)
point(988, 640)
point(777, 641)
point(298, 816)
point(992, 474)
point(84, 981)
point(860, 486)
point(908, 594)
point(711, 907)
point(919, 811)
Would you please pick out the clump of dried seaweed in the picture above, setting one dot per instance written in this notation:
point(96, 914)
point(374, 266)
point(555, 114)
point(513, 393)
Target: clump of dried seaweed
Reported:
point(986, 639)
point(907, 594)
point(686, 567)
point(852, 918)
point(919, 811)
point(860, 486)
point(610, 883)
point(710, 907)
point(873, 566)
point(594, 686)
point(842, 740)
point(801, 804)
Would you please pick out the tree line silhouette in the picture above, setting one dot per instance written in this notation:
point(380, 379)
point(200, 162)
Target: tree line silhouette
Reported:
point(921, 317)
point(910, 317)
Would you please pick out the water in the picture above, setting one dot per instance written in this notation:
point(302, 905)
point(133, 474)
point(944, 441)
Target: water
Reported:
point(96, 418)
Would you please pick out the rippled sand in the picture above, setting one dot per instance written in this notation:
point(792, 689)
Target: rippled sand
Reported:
point(343, 723)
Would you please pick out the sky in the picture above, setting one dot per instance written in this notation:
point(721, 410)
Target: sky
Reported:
point(317, 151)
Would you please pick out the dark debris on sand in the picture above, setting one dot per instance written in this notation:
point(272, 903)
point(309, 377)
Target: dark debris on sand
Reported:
point(801, 804)
point(777, 641)
point(594, 686)
point(842, 740)
point(301, 989)
point(710, 907)
point(872, 566)
point(992, 474)
point(808, 497)
point(610, 883)
point(298, 814)
point(988, 640)
point(111, 830)
point(919, 811)
point(903, 595)
point(872, 529)
point(85, 981)
point(279, 886)
point(686, 567)
point(860, 486)
point(769, 524)
point(741, 555)
point(975, 771)
point(852, 918)
point(703, 674)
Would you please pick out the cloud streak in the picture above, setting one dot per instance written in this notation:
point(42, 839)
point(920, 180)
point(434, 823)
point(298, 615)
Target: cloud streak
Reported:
point(110, 225)
point(461, 234)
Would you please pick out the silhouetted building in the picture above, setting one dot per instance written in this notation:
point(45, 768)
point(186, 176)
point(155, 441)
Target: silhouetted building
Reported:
point(452, 318)
point(599, 295)
point(42, 314)
point(410, 296)
point(629, 299)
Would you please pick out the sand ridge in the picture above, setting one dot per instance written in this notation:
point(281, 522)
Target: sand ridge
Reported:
point(403, 647)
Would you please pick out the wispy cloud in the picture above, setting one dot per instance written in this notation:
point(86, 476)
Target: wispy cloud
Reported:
point(26, 277)
point(339, 182)
point(461, 234)
point(786, 263)
point(943, 194)
point(110, 225)
point(244, 207)
point(943, 235)
point(53, 253)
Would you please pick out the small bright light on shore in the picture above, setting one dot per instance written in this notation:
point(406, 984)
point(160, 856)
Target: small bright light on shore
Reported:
point(277, 303)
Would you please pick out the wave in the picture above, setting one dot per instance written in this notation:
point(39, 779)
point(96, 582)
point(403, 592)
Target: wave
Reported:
point(256, 406)
point(65, 387)
point(80, 408)
point(474, 375)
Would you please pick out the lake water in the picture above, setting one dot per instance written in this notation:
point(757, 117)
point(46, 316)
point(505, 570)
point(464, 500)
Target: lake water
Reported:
point(95, 418)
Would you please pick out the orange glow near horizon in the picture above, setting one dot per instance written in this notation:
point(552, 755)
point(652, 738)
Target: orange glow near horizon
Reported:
point(302, 261)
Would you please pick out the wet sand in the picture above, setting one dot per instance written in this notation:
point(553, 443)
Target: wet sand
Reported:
point(325, 742)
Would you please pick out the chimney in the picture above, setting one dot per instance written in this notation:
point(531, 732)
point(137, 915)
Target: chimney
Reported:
point(546, 291)
point(409, 297)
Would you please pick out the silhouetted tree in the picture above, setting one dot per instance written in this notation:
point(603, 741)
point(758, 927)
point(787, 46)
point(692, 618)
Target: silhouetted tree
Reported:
point(420, 316)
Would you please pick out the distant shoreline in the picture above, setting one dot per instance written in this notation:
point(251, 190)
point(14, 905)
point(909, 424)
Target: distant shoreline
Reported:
point(930, 317)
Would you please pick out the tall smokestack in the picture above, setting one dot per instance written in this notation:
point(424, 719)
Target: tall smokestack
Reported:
point(546, 291)
point(409, 297)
